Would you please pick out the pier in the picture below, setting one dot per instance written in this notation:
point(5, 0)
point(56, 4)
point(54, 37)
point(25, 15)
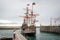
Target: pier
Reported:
point(9, 27)
point(53, 29)
point(18, 36)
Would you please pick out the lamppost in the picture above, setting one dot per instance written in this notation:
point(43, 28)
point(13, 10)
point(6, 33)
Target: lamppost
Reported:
point(50, 21)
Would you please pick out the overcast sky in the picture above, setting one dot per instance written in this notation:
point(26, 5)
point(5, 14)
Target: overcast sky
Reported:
point(11, 9)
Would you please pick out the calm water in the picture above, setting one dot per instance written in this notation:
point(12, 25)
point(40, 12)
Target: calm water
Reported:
point(39, 35)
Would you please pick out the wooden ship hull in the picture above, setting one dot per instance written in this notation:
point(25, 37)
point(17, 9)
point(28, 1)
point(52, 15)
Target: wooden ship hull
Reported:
point(30, 31)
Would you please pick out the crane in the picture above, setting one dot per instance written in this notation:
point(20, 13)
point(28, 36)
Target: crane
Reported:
point(55, 20)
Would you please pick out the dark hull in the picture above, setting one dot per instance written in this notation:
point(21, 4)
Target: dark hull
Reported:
point(29, 34)
point(6, 39)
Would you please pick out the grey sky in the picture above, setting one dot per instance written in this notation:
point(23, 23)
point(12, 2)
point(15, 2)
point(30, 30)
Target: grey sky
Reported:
point(11, 9)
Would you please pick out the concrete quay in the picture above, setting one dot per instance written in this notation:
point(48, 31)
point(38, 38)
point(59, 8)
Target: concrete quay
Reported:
point(54, 29)
point(18, 36)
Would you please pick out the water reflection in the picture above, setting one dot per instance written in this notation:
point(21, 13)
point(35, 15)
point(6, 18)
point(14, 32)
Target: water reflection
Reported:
point(44, 36)
point(39, 35)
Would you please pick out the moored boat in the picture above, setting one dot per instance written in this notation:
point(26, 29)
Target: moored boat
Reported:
point(28, 26)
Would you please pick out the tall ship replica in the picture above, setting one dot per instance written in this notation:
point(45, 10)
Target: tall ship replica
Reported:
point(28, 26)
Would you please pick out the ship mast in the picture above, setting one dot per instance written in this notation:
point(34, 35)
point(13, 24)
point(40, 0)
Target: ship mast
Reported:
point(27, 12)
point(29, 18)
point(32, 15)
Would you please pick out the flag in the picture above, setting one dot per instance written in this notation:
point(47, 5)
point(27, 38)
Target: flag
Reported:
point(28, 4)
point(33, 3)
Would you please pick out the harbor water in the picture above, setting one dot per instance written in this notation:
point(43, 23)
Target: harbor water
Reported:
point(39, 35)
